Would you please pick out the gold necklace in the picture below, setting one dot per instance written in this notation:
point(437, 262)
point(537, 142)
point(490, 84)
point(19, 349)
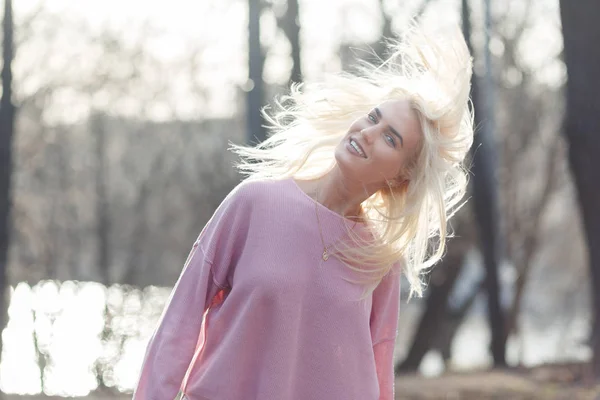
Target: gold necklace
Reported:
point(326, 249)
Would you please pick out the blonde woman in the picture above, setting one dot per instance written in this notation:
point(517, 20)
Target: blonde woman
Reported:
point(292, 290)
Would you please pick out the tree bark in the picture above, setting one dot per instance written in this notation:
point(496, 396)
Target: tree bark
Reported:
point(98, 130)
point(442, 282)
point(386, 32)
point(531, 238)
point(7, 118)
point(256, 60)
point(581, 33)
point(290, 25)
point(485, 196)
point(102, 213)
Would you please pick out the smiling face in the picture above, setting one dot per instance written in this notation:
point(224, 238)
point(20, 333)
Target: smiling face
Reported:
point(379, 145)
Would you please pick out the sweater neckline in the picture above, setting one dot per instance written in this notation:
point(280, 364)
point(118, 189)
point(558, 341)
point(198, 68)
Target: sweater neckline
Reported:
point(323, 209)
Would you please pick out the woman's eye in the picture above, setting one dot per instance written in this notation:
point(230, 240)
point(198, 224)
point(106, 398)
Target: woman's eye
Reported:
point(390, 140)
point(372, 118)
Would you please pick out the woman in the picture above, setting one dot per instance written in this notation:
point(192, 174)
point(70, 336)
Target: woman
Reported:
point(291, 291)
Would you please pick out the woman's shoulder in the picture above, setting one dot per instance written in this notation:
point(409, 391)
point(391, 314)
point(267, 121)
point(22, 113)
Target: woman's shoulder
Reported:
point(258, 187)
point(247, 198)
point(251, 191)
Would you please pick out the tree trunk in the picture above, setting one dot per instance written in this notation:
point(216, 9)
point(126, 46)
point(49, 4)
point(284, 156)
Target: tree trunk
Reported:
point(379, 47)
point(453, 320)
point(581, 33)
point(442, 282)
point(532, 237)
point(291, 27)
point(134, 270)
point(7, 118)
point(102, 213)
point(485, 194)
point(98, 129)
point(256, 60)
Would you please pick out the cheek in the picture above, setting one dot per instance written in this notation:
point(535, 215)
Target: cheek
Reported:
point(392, 165)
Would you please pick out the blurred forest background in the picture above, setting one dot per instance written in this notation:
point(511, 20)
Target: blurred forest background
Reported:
point(115, 117)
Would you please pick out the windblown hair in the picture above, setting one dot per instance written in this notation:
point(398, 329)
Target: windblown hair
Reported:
point(409, 222)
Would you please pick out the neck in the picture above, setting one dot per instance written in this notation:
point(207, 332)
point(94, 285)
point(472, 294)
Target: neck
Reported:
point(342, 195)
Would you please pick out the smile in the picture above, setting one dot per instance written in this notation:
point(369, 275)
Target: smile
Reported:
point(354, 145)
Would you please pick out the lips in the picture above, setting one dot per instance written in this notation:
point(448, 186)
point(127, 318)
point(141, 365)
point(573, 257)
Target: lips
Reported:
point(355, 145)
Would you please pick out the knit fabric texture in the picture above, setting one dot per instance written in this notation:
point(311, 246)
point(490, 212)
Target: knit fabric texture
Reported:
point(258, 314)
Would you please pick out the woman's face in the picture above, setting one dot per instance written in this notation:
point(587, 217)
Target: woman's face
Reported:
point(379, 144)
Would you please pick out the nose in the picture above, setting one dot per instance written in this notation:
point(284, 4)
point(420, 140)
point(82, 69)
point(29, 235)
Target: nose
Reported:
point(368, 134)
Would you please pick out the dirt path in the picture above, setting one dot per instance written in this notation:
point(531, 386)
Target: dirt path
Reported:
point(542, 383)
point(553, 382)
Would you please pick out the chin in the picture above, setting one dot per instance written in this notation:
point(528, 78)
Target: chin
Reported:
point(348, 168)
point(343, 159)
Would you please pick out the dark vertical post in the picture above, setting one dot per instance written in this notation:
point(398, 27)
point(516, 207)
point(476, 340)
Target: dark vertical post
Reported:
point(256, 133)
point(7, 118)
point(484, 187)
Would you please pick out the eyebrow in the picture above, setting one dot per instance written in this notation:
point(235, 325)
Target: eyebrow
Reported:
point(378, 112)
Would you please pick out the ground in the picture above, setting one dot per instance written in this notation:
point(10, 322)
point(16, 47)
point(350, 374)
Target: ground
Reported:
point(551, 382)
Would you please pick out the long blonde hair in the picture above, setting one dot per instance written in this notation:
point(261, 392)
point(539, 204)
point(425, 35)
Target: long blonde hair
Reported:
point(408, 221)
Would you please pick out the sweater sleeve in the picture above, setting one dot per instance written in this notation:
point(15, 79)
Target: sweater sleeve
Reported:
point(206, 272)
point(384, 327)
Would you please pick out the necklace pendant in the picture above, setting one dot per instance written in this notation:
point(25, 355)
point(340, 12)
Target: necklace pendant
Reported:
point(325, 255)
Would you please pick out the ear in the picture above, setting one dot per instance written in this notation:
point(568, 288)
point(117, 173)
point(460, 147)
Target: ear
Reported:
point(400, 180)
point(397, 182)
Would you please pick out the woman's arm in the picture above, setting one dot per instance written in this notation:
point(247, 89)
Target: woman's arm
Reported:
point(384, 328)
point(206, 272)
point(173, 344)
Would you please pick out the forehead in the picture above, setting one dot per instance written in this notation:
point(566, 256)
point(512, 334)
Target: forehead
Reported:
point(400, 110)
point(400, 115)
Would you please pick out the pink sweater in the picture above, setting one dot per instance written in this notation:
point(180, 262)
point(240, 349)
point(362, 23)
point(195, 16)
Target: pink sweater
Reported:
point(258, 315)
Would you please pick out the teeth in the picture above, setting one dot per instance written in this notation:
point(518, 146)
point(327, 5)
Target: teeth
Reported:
point(357, 148)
